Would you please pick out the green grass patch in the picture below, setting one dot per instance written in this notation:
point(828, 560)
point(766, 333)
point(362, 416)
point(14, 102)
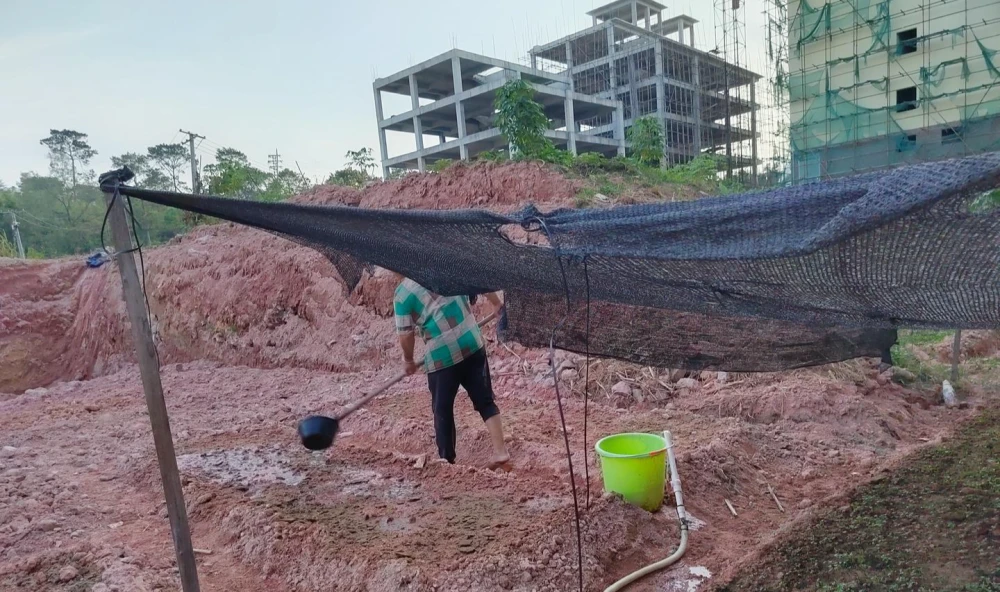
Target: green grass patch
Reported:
point(932, 525)
point(923, 337)
point(985, 203)
point(926, 369)
point(586, 197)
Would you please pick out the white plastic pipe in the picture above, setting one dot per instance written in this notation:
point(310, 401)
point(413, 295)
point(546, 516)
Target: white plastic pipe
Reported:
point(675, 484)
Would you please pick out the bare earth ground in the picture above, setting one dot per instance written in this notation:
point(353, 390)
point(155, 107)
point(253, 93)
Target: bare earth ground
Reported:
point(255, 334)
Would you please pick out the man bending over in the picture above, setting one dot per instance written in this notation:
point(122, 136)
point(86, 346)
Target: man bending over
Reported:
point(454, 355)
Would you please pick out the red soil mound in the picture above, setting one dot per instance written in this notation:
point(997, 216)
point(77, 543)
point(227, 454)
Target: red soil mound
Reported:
point(235, 294)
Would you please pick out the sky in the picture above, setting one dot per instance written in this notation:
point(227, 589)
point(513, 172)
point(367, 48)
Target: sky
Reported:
point(293, 77)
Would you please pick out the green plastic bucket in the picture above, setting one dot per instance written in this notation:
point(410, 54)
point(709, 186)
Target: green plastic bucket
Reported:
point(634, 465)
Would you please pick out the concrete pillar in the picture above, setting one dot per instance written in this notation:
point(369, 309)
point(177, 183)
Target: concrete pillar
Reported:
point(696, 108)
point(442, 139)
point(570, 123)
point(649, 17)
point(691, 36)
point(418, 127)
point(383, 149)
point(635, 14)
point(611, 67)
point(456, 76)
point(568, 101)
point(680, 32)
point(534, 62)
point(661, 97)
point(620, 129)
point(753, 130)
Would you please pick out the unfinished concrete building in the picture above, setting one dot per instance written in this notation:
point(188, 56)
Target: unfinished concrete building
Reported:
point(451, 100)
point(593, 85)
point(879, 83)
point(651, 66)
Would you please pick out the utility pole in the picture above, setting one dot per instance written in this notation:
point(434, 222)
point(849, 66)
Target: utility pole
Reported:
point(195, 182)
point(275, 161)
point(17, 235)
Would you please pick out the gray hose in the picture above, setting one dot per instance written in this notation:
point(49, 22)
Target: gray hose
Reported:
point(675, 484)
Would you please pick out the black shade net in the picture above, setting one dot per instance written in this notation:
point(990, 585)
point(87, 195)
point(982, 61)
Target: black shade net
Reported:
point(791, 277)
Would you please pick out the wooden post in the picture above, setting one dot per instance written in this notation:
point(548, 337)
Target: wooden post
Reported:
point(956, 355)
point(145, 351)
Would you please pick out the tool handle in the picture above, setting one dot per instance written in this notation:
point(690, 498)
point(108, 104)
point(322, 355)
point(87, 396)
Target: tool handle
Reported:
point(364, 400)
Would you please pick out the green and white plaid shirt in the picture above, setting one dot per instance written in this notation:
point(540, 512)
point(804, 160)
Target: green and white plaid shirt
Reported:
point(445, 324)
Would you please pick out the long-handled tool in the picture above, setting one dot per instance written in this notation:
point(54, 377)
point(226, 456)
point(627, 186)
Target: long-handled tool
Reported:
point(318, 431)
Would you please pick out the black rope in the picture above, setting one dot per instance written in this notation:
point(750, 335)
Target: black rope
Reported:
point(586, 386)
point(107, 212)
point(115, 196)
point(562, 415)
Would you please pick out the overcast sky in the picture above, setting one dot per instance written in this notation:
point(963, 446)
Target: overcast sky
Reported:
point(292, 76)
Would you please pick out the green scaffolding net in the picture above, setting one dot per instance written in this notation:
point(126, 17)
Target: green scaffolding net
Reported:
point(831, 119)
point(827, 112)
point(812, 23)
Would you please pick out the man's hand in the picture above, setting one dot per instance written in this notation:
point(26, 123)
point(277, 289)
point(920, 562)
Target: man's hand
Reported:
point(494, 298)
point(410, 367)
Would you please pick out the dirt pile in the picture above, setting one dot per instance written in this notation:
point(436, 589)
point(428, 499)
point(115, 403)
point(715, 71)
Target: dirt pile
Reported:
point(974, 344)
point(497, 187)
point(235, 294)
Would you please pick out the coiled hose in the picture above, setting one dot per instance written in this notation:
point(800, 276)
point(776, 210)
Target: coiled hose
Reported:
point(675, 484)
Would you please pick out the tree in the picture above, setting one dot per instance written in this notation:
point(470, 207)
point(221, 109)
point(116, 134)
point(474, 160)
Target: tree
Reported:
point(169, 159)
point(284, 185)
point(6, 198)
point(147, 175)
point(646, 138)
point(362, 160)
point(232, 175)
point(359, 171)
point(7, 248)
point(69, 156)
point(521, 119)
point(348, 177)
point(41, 204)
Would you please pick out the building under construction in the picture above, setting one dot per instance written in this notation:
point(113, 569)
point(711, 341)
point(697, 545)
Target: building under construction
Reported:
point(651, 66)
point(594, 84)
point(451, 101)
point(877, 83)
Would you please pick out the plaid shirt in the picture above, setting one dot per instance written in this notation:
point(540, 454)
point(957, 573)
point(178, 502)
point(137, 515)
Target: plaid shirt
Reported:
point(445, 324)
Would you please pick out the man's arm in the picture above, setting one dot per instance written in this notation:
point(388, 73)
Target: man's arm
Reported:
point(406, 341)
point(406, 330)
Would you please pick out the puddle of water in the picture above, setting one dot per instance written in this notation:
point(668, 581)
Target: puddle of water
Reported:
point(694, 523)
point(247, 467)
point(688, 580)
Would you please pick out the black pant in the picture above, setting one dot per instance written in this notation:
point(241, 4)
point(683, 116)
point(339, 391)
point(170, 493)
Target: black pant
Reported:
point(472, 373)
